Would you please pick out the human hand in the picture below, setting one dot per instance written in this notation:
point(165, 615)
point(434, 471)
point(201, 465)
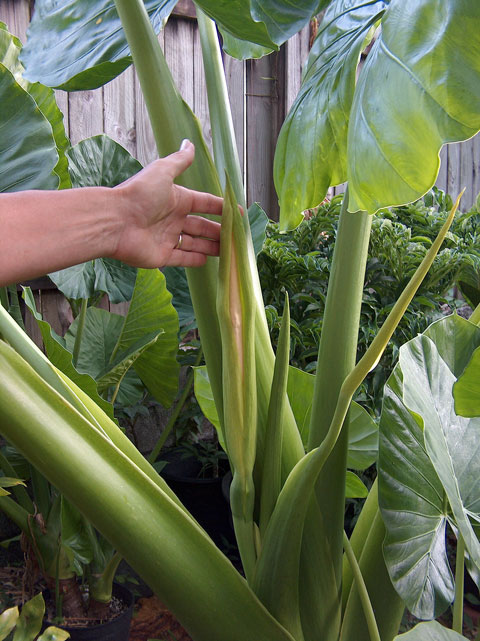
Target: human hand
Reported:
point(157, 227)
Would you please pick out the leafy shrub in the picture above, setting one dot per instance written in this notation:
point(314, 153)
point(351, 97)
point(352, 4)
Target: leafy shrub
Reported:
point(299, 262)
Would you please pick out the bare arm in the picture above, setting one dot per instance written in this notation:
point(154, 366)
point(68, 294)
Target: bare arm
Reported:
point(139, 222)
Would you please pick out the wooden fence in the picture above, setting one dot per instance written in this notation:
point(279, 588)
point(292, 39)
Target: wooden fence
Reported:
point(261, 92)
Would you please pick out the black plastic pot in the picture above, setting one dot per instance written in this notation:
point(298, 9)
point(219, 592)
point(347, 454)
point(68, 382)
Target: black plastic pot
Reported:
point(117, 629)
point(202, 497)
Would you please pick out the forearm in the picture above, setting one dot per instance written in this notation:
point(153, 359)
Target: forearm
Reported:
point(43, 231)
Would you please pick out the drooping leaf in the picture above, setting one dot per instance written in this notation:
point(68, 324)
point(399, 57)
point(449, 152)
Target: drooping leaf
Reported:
point(99, 162)
point(242, 49)
point(430, 631)
point(312, 145)
point(61, 357)
point(10, 48)
point(354, 487)
point(28, 152)
point(75, 48)
point(268, 23)
point(429, 77)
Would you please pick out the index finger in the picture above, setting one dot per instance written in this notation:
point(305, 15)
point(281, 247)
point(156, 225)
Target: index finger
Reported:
point(200, 202)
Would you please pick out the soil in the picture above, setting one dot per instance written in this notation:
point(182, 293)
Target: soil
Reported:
point(151, 619)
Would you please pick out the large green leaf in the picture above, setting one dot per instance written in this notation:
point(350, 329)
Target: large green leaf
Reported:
point(430, 631)
point(10, 48)
point(61, 357)
point(428, 465)
point(151, 311)
point(100, 275)
point(99, 338)
point(99, 162)
point(28, 152)
point(311, 149)
point(414, 511)
point(419, 89)
point(451, 441)
point(72, 47)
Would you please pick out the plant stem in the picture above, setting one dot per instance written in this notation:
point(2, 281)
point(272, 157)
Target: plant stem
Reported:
point(176, 412)
point(457, 623)
point(362, 590)
point(81, 324)
point(336, 358)
point(4, 297)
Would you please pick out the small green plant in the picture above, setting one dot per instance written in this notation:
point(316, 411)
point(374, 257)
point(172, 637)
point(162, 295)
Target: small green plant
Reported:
point(27, 623)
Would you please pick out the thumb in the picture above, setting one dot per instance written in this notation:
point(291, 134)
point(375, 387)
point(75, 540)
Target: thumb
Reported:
point(181, 159)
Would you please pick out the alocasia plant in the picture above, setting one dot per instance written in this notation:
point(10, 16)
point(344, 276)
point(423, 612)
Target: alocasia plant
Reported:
point(417, 89)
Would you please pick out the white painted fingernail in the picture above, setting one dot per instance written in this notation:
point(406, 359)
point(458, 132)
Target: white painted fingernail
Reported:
point(185, 143)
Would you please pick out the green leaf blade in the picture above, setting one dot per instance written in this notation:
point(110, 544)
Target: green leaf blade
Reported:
point(74, 50)
point(424, 103)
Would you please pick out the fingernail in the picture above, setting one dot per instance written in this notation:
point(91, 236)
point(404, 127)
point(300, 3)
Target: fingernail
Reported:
point(185, 143)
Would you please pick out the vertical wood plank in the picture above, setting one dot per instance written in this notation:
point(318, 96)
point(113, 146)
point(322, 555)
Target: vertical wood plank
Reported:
point(85, 114)
point(179, 54)
point(442, 178)
point(453, 169)
point(16, 15)
point(119, 110)
point(466, 174)
point(265, 113)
